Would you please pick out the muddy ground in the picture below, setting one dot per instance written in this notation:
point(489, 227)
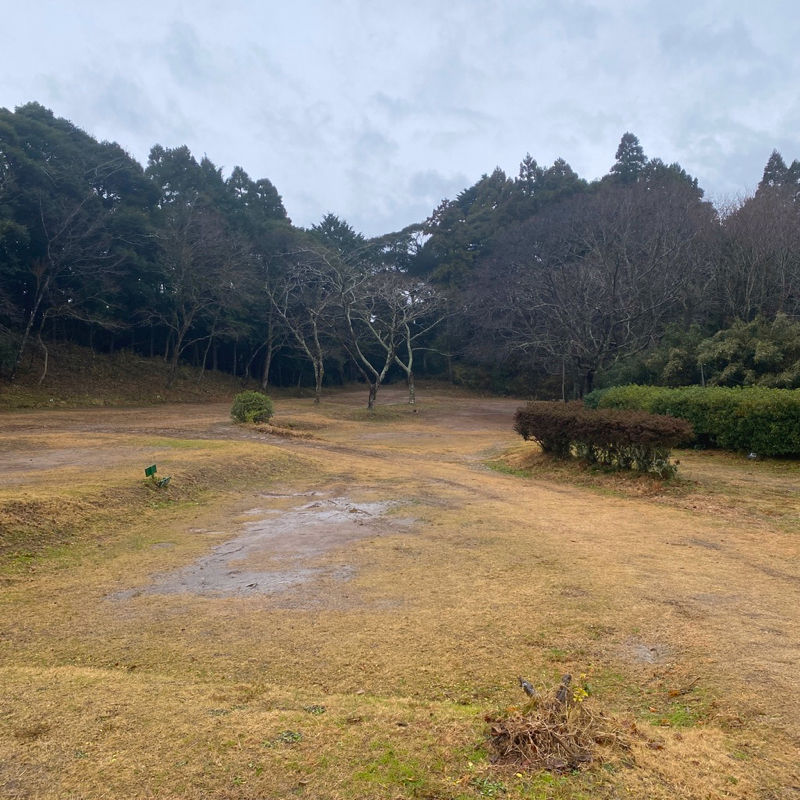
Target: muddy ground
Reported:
point(395, 564)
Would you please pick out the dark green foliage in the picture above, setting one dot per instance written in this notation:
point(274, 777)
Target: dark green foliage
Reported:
point(9, 345)
point(339, 237)
point(777, 176)
point(587, 282)
point(463, 231)
point(623, 439)
point(761, 420)
point(631, 160)
point(762, 352)
point(252, 407)
point(673, 362)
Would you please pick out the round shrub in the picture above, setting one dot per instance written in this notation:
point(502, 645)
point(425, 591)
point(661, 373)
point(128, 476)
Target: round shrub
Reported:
point(252, 407)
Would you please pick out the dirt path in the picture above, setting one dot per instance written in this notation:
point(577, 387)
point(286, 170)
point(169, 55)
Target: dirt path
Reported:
point(407, 568)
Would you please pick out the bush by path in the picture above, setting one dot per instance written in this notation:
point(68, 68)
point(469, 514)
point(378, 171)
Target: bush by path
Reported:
point(623, 439)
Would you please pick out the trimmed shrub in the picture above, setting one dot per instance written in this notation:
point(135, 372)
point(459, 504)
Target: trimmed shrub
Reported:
point(550, 424)
point(758, 419)
point(623, 439)
point(252, 407)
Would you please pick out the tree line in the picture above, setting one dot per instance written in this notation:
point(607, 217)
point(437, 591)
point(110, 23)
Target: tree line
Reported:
point(543, 283)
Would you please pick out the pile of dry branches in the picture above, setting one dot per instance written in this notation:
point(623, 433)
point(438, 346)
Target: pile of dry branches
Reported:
point(556, 730)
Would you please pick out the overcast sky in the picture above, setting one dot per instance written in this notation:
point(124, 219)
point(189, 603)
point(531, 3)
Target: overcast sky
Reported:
point(376, 110)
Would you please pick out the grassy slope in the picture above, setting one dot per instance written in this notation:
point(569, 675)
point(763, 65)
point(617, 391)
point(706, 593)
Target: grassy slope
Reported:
point(77, 377)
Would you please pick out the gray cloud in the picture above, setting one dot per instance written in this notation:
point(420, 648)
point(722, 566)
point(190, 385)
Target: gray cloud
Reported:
point(376, 110)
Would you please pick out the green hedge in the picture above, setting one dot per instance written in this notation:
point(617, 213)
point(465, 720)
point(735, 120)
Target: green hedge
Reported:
point(624, 439)
point(751, 419)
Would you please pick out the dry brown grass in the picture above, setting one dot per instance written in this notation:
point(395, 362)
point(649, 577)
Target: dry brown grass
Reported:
point(685, 621)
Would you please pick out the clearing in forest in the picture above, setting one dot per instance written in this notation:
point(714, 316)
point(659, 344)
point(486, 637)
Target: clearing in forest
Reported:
point(343, 611)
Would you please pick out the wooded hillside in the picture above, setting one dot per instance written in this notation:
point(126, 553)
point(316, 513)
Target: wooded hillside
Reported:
point(541, 283)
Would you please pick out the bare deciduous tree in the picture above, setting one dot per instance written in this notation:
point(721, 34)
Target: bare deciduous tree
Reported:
point(204, 273)
point(305, 296)
point(758, 257)
point(593, 279)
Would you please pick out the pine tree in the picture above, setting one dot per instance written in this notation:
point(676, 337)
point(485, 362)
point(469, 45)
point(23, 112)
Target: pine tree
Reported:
point(631, 160)
point(776, 173)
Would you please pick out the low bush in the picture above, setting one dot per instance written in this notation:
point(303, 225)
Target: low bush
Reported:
point(252, 407)
point(623, 439)
point(751, 419)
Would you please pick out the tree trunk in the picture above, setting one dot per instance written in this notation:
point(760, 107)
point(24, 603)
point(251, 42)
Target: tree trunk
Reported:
point(205, 358)
point(46, 357)
point(267, 365)
point(449, 352)
point(412, 392)
point(373, 394)
point(173, 367)
point(176, 354)
point(319, 372)
point(26, 335)
point(248, 370)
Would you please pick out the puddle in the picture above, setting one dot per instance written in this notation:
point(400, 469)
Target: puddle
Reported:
point(278, 552)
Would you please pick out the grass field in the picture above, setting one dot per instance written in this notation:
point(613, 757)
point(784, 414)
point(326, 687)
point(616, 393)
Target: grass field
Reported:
point(337, 605)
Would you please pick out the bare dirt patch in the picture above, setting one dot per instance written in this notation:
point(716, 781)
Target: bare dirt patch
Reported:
point(279, 551)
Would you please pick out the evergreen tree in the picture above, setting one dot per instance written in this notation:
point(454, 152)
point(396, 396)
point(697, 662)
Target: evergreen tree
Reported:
point(776, 172)
point(530, 176)
point(630, 160)
point(338, 236)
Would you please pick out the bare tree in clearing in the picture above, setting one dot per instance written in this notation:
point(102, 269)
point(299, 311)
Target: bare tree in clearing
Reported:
point(305, 298)
point(422, 308)
point(386, 313)
point(372, 324)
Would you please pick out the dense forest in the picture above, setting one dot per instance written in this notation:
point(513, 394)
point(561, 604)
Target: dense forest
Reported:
point(542, 284)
